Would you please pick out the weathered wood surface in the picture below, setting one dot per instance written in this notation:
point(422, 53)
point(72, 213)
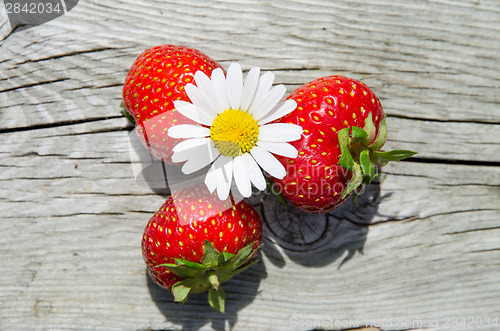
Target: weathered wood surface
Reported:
point(421, 251)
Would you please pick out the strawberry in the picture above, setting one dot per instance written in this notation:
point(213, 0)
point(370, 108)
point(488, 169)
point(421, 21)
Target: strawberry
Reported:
point(344, 128)
point(196, 241)
point(155, 80)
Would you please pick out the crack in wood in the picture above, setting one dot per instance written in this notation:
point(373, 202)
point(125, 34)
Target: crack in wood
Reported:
point(292, 227)
point(417, 218)
point(141, 211)
point(384, 172)
point(24, 104)
point(125, 128)
point(472, 184)
point(93, 87)
point(58, 124)
point(147, 194)
point(58, 56)
point(89, 213)
point(36, 154)
point(413, 218)
point(425, 119)
point(475, 230)
point(34, 84)
point(40, 178)
point(86, 158)
point(430, 160)
point(486, 250)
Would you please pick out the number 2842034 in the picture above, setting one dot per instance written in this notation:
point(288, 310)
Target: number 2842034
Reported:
point(33, 8)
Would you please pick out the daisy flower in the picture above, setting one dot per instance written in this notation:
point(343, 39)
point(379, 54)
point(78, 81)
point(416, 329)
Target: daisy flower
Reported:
point(234, 134)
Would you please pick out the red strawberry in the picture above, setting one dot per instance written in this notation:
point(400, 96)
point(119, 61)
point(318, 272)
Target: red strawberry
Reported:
point(155, 80)
point(195, 241)
point(344, 129)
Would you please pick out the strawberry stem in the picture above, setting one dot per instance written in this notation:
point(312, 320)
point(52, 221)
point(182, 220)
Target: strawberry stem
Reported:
point(214, 280)
point(276, 194)
point(356, 180)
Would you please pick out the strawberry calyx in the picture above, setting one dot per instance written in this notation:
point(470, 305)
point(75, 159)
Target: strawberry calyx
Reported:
point(361, 154)
point(214, 268)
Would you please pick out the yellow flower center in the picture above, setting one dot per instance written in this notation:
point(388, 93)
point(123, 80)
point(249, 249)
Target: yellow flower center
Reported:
point(234, 132)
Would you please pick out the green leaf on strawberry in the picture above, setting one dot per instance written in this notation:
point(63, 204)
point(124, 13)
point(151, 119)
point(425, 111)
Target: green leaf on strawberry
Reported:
point(215, 268)
point(358, 135)
point(370, 129)
point(346, 160)
point(366, 157)
point(182, 289)
point(394, 155)
point(217, 298)
point(211, 256)
point(180, 270)
point(356, 180)
point(379, 141)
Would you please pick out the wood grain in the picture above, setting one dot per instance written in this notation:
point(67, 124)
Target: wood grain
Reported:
point(422, 246)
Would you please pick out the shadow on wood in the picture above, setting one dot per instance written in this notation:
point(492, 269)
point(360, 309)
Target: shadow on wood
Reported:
point(196, 312)
point(318, 239)
point(161, 177)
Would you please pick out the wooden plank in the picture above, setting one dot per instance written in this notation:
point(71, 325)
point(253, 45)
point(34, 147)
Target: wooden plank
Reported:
point(434, 140)
point(422, 247)
point(421, 64)
point(71, 240)
point(445, 140)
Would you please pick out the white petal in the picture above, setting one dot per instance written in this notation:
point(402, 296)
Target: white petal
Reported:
point(220, 176)
point(280, 132)
point(200, 158)
point(265, 83)
point(254, 172)
point(268, 162)
point(190, 143)
point(234, 85)
point(205, 84)
point(211, 178)
point(225, 179)
point(188, 131)
point(283, 149)
point(192, 112)
point(282, 109)
point(220, 90)
point(199, 98)
point(249, 88)
point(270, 101)
point(204, 148)
point(241, 179)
